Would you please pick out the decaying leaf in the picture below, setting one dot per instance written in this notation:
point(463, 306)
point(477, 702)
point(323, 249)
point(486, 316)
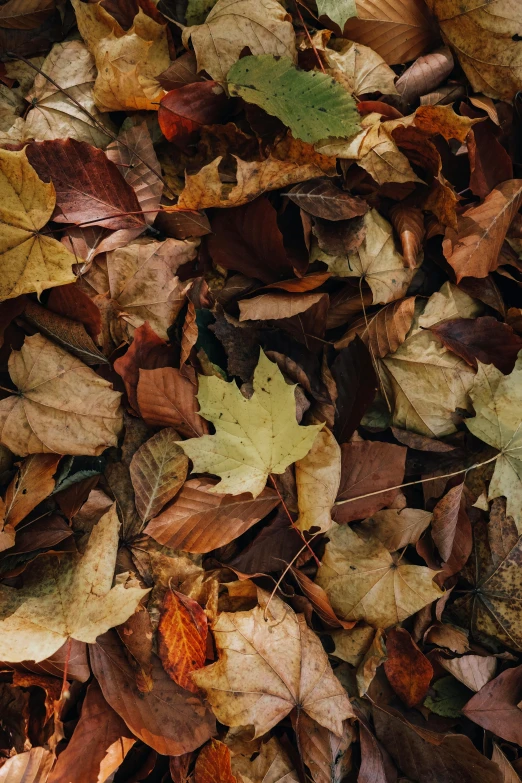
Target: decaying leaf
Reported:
point(287, 667)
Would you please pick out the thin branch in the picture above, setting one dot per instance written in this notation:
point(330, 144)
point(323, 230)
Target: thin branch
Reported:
point(299, 532)
point(307, 32)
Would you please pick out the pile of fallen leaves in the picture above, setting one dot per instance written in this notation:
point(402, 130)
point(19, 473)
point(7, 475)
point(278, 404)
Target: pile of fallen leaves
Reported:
point(261, 391)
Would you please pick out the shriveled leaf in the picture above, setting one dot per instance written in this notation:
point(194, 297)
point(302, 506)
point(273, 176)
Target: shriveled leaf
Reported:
point(364, 582)
point(33, 483)
point(358, 68)
point(158, 470)
point(253, 437)
point(168, 718)
point(182, 638)
point(408, 671)
point(167, 398)
point(408, 222)
point(313, 105)
point(287, 666)
point(62, 405)
point(36, 621)
point(30, 260)
point(271, 765)
point(199, 521)
point(265, 28)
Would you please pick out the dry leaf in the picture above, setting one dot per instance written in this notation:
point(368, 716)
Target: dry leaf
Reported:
point(287, 667)
point(495, 706)
point(36, 621)
point(364, 582)
point(397, 528)
point(158, 470)
point(317, 477)
point(474, 671)
point(182, 638)
point(384, 331)
point(276, 306)
point(33, 766)
point(358, 68)
point(271, 765)
point(167, 398)
point(408, 671)
point(254, 437)
point(62, 406)
point(214, 764)
point(425, 74)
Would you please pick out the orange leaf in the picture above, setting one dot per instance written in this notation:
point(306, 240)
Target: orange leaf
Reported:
point(214, 765)
point(408, 671)
point(182, 636)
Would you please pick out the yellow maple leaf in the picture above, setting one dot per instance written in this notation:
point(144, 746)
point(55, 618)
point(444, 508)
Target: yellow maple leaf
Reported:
point(253, 437)
point(29, 261)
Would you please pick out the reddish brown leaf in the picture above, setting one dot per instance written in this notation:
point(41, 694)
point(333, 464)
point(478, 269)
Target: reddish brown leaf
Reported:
point(425, 74)
point(167, 398)
point(70, 334)
point(183, 224)
point(327, 756)
point(182, 638)
point(384, 331)
point(445, 520)
point(213, 764)
point(481, 339)
point(356, 383)
point(248, 240)
point(408, 222)
point(495, 706)
point(321, 198)
point(185, 110)
point(33, 483)
point(182, 71)
point(170, 719)
point(368, 467)
point(198, 521)
point(275, 546)
point(71, 302)
point(89, 187)
point(320, 601)
point(408, 671)
point(100, 742)
point(25, 14)
point(147, 352)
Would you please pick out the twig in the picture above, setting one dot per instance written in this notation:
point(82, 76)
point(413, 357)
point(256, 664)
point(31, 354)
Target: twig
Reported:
point(307, 32)
point(287, 569)
point(299, 532)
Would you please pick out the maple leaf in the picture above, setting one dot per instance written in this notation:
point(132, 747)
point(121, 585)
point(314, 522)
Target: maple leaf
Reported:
point(30, 260)
point(69, 598)
point(364, 582)
point(254, 437)
point(288, 668)
point(497, 401)
point(62, 406)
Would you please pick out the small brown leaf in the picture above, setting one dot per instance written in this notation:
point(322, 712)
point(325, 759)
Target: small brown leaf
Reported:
point(70, 334)
point(33, 483)
point(408, 671)
point(384, 331)
point(167, 398)
point(425, 74)
point(495, 706)
point(408, 222)
point(320, 198)
point(158, 469)
point(481, 339)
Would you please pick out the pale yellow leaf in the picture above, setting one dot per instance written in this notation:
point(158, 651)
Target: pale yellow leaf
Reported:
point(317, 477)
point(359, 68)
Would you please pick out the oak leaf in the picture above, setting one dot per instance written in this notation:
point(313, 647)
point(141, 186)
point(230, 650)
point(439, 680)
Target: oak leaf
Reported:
point(253, 437)
point(36, 621)
point(30, 261)
point(62, 405)
point(364, 582)
point(264, 26)
point(497, 401)
point(288, 668)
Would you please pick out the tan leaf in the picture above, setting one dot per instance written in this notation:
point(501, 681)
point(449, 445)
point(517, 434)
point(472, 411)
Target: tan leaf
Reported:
point(127, 60)
point(33, 483)
point(353, 644)
point(62, 407)
point(31, 261)
point(53, 115)
point(374, 657)
point(384, 331)
point(359, 68)
point(33, 766)
point(317, 477)
point(287, 666)
point(158, 470)
point(327, 756)
point(35, 619)
point(364, 582)
point(376, 261)
point(271, 765)
point(276, 306)
point(474, 671)
point(425, 74)
point(396, 529)
point(182, 638)
point(190, 334)
point(290, 161)
point(167, 398)
point(474, 249)
point(199, 521)
point(263, 26)
point(486, 43)
point(508, 773)
point(399, 32)
point(445, 520)
point(443, 120)
point(143, 282)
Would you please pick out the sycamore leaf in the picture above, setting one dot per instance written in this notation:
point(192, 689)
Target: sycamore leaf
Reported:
point(312, 104)
point(36, 621)
point(317, 477)
point(253, 437)
point(497, 400)
point(263, 26)
point(53, 114)
point(158, 470)
point(376, 260)
point(287, 666)
point(364, 582)
point(62, 406)
point(29, 261)
point(339, 11)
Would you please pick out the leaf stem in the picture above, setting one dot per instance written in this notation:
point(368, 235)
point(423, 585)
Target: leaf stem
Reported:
point(419, 481)
point(287, 569)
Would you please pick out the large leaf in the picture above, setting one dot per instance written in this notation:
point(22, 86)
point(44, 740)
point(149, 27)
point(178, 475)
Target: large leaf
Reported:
point(264, 27)
point(254, 437)
point(312, 104)
point(30, 261)
point(36, 621)
point(364, 582)
point(62, 406)
point(198, 521)
point(286, 666)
